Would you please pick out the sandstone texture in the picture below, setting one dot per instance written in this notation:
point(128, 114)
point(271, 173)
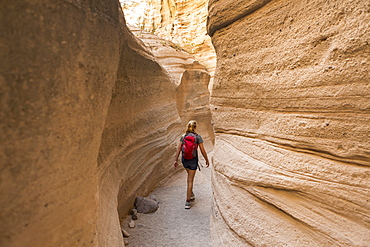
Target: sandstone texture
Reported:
point(170, 55)
point(291, 112)
point(58, 67)
point(184, 23)
point(139, 137)
point(191, 80)
point(89, 121)
point(192, 98)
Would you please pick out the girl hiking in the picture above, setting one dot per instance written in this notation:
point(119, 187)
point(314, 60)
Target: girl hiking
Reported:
point(188, 145)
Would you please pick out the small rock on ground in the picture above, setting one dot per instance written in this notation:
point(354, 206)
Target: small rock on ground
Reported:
point(145, 205)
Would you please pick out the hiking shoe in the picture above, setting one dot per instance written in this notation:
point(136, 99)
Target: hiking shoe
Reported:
point(192, 198)
point(187, 205)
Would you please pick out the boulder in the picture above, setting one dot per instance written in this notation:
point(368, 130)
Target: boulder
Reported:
point(145, 205)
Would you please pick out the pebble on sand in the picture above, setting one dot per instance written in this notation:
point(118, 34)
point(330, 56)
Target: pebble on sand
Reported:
point(125, 234)
point(131, 224)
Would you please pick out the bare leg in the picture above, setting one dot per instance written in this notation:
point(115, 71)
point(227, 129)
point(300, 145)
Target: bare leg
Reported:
point(191, 175)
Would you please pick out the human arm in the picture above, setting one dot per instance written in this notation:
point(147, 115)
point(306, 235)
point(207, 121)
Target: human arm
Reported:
point(175, 164)
point(204, 153)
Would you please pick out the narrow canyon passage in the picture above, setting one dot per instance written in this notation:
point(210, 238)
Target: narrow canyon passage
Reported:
point(172, 224)
point(91, 112)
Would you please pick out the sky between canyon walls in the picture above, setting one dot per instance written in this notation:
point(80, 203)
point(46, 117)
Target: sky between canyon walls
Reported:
point(134, 11)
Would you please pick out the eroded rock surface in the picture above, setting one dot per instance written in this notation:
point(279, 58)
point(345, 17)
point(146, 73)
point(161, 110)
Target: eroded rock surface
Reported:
point(58, 67)
point(191, 80)
point(89, 121)
point(140, 133)
point(192, 97)
point(184, 23)
point(170, 55)
point(292, 119)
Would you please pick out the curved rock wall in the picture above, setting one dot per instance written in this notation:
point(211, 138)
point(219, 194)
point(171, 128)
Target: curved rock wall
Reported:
point(192, 97)
point(191, 80)
point(184, 23)
point(170, 55)
point(140, 135)
point(291, 114)
point(89, 120)
point(58, 67)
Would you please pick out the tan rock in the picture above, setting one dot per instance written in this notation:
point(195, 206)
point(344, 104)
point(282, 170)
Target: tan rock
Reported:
point(88, 120)
point(191, 80)
point(292, 117)
point(192, 97)
point(57, 70)
point(125, 234)
point(170, 55)
point(131, 224)
point(184, 23)
point(140, 132)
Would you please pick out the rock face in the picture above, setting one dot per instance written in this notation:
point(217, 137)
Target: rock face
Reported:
point(89, 121)
point(192, 97)
point(184, 23)
point(140, 135)
point(170, 55)
point(57, 72)
point(191, 80)
point(291, 114)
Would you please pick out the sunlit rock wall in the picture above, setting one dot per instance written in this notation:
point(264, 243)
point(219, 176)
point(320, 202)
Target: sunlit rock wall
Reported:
point(184, 23)
point(170, 55)
point(191, 80)
point(292, 123)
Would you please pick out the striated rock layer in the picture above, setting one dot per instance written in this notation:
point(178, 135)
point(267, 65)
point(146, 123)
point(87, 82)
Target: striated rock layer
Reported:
point(184, 23)
point(292, 119)
point(139, 137)
point(191, 80)
point(89, 121)
point(170, 55)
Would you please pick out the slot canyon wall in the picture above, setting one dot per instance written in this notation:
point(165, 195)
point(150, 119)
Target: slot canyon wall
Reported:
point(139, 138)
point(89, 120)
point(58, 67)
point(291, 112)
point(184, 23)
point(191, 79)
point(144, 123)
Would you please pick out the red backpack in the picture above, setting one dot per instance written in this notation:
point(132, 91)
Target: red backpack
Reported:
point(189, 146)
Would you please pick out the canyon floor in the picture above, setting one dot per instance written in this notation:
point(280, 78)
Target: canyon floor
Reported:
point(172, 224)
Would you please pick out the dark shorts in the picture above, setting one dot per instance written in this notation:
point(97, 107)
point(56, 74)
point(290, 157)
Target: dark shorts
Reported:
point(190, 164)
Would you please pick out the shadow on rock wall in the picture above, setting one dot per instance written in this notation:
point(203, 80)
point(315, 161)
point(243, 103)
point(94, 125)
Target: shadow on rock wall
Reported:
point(140, 134)
point(191, 80)
point(89, 120)
point(58, 67)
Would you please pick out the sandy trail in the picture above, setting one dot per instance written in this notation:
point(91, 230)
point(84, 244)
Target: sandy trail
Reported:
point(172, 224)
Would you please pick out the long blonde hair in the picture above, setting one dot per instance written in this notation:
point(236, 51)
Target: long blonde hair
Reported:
point(190, 128)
